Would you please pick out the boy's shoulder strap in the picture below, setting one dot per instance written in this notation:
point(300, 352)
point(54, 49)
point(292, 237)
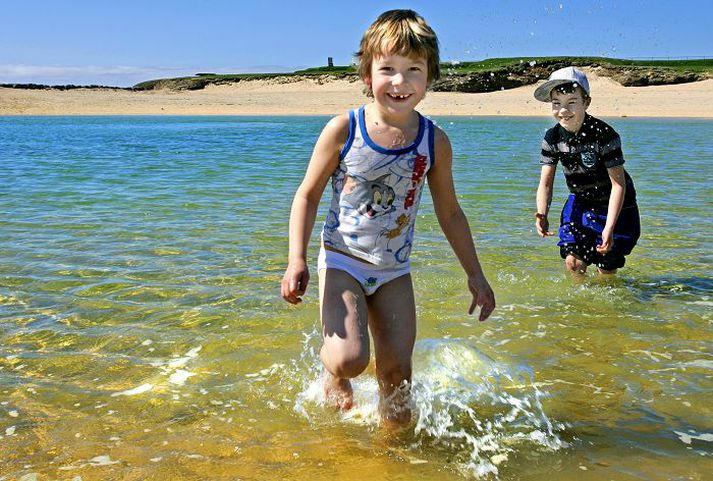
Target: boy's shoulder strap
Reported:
point(431, 135)
point(352, 133)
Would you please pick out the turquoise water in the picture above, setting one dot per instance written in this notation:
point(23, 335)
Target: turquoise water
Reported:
point(142, 335)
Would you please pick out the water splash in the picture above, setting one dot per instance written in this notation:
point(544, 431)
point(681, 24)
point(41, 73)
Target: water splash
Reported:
point(467, 408)
point(482, 408)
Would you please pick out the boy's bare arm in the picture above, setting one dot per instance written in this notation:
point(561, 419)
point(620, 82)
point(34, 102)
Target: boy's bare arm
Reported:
point(544, 199)
point(455, 226)
point(324, 160)
point(616, 200)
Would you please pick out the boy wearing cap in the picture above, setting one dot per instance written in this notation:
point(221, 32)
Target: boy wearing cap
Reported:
point(600, 220)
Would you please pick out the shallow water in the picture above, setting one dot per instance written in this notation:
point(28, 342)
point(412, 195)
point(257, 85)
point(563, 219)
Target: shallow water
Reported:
point(143, 337)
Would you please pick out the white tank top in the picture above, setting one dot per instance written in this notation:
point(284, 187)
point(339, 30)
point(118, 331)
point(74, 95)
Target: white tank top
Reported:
point(376, 193)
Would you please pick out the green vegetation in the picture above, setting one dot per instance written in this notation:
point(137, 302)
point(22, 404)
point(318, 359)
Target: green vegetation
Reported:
point(697, 65)
point(328, 70)
point(508, 72)
point(488, 65)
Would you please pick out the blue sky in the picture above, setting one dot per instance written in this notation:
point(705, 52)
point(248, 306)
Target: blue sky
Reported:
point(122, 43)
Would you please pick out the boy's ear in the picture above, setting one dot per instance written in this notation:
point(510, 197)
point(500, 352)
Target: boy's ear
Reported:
point(587, 102)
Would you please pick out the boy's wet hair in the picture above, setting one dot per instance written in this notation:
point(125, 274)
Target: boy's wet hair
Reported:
point(400, 32)
point(570, 88)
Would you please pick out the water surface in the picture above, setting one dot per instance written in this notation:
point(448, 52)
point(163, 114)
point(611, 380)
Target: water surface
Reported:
point(143, 337)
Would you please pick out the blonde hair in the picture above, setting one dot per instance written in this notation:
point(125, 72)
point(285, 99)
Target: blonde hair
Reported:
point(400, 32)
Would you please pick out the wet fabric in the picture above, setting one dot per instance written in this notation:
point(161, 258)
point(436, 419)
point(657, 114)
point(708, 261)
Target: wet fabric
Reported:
point(580, 232)
point(376, 193)
point(585, 158)
point(369, 276)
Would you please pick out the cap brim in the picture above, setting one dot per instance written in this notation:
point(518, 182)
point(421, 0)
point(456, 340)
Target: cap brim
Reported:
point(542, 93)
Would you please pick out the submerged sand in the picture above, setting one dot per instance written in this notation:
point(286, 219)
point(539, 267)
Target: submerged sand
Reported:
point(309, 97)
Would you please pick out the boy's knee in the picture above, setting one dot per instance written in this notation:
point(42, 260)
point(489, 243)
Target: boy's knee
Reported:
point(575, 264)
point(345, 364)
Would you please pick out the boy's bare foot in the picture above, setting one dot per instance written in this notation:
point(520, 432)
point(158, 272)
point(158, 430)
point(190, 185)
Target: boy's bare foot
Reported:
point(338, 392)
point(396, 421)
point(395, 409)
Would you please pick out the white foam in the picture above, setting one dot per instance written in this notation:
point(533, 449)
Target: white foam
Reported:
point(133, 392)
point(103, 460)
point(688, 438)
point(180, 376)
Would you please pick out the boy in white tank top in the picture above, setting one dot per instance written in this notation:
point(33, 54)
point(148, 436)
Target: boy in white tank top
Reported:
point(378, 158)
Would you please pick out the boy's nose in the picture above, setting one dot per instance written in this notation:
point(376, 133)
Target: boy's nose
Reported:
point(397, 78)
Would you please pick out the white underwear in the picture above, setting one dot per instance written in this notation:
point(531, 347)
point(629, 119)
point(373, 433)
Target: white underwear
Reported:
point(369, 276)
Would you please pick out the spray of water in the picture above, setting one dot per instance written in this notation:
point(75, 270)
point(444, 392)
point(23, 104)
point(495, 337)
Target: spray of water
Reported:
point(467, 408)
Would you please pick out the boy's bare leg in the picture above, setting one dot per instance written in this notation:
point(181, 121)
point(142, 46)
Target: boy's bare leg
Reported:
point(606, 272)
point(345, 351)
point(575, 265)
point(392, 319)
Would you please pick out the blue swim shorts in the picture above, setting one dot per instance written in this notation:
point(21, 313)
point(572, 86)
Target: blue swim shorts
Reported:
point(581, 229)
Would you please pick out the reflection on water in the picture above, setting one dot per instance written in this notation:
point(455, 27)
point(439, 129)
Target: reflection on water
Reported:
point(142, 336)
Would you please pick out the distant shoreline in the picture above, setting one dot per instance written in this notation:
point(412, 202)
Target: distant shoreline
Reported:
point(316, 96)
point(489, 75)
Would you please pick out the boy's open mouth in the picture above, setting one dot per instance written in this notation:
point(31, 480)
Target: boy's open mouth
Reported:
point(399, 96)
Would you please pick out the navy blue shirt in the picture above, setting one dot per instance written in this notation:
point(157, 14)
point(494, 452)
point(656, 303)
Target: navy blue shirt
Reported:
point(585, 158)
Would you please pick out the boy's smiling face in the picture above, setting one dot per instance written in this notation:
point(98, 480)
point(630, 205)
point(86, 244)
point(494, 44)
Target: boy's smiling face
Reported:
point(569, 108)
point(398, 82)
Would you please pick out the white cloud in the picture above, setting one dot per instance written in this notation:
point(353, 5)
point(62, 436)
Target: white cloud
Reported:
point(117, 75)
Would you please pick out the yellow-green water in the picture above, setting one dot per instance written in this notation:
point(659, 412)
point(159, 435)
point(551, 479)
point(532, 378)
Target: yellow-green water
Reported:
point(142, 335)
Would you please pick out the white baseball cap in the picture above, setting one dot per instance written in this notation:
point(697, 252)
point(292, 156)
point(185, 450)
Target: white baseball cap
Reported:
point(560, 77)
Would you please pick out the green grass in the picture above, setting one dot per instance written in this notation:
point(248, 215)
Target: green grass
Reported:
point(492, 64)
point(698, 65)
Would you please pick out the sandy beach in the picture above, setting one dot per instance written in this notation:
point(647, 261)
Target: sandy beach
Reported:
point(307, 97)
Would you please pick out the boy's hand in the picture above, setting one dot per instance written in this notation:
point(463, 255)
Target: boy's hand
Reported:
point(543, 225)
point(482, 296)
point(294, 282)
point(607, 241)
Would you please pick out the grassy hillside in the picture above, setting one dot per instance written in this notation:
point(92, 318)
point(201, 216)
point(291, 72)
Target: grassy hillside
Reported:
point(483, 76)
point(486, 75)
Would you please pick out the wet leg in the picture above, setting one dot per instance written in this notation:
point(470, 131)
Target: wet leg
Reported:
point(392, 320)
point(345, 351)
point(575, 266)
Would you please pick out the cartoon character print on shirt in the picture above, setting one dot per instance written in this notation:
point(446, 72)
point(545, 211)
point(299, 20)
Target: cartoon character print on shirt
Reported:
point(589, 158)
point(371, 198)
point(401, 222)
point(386, 199)
point(410, 171)
point(331, 223)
